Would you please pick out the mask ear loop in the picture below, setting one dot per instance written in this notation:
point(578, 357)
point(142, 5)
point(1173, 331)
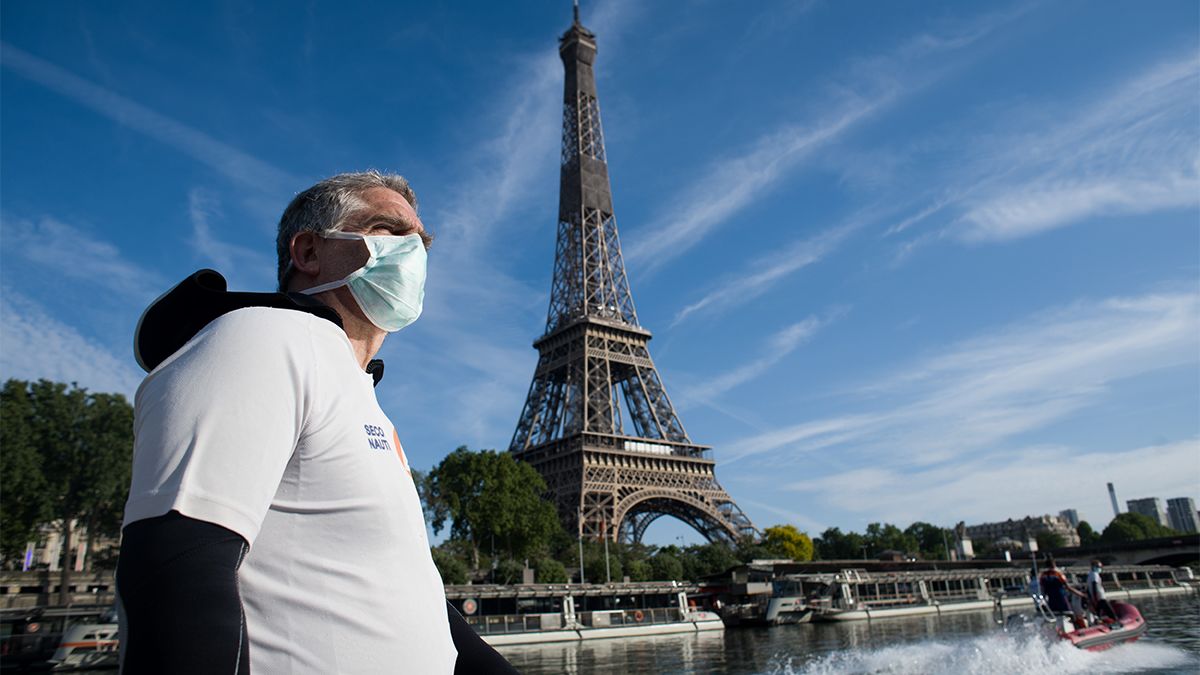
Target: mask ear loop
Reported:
point(345, 236)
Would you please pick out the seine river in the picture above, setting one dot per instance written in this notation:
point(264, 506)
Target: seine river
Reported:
point(957, 643)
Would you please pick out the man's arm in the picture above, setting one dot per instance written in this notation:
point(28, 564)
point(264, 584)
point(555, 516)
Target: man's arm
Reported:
point(474, 655)
point(178, 587)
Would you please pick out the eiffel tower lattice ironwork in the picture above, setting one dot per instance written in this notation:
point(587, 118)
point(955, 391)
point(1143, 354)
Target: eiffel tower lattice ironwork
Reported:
point(597, 423)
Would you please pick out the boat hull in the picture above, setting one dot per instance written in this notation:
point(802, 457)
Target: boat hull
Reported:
point(703, 621)
point(1129, 627)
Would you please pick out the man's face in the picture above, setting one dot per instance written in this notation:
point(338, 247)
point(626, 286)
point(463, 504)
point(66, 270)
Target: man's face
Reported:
point(387, 214)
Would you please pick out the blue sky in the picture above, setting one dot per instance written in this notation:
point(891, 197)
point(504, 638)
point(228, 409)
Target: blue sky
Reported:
point(935, 261)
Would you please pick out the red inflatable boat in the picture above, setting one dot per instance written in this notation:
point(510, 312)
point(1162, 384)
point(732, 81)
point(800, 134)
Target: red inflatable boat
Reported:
point(1128, 627)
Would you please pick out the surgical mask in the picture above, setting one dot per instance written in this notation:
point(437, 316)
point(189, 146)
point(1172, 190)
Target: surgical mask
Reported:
point(390, 287)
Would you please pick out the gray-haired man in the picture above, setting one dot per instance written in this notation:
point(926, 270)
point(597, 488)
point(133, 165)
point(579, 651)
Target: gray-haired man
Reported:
point(272, 520)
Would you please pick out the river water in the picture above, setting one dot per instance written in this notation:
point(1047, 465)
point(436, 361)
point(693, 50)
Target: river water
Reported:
point(969, 642)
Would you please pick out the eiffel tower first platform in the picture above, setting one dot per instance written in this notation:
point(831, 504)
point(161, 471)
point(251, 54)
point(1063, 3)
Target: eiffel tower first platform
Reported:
point(597, 423)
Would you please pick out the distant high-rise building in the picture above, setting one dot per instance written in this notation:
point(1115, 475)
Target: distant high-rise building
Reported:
point(1151, 507)
point(1112, 494)
point(1071, 515)
point(1181, 514)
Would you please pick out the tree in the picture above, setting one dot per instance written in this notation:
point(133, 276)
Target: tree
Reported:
point(639, 570)
point(931, 540)
point(834, 545)
point(788, 542)
point(665, 565)
point(490, 501)
point(706, 559)
point(549, 571)
point(888, 537)
point(85, 445)
point(452, 569)
point(26, 503)
point(1132, 527)
point(1048, 541)
point(1087, 536)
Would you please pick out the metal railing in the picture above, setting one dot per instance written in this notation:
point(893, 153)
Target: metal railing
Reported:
point(630, 617)
point(505, 623)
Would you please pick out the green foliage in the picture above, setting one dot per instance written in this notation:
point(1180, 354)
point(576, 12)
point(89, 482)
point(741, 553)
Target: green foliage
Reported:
point(450, 566)
point(786, 541)
point(665, 566)
point(1087, 535)
point(593, 564)
point(834, 545)
point(67, 456)
point(749, 549)
point(508, 571)
point(490, 500)
point(931, 540)
point(924, 539)
point(26, 501)
point(639, 570)
point(706, 559)
point(1048, 541)
point(549, 571)
point(1133, 527)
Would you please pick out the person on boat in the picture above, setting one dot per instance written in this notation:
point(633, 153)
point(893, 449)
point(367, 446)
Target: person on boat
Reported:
point(1056, 589)
point(1095, 593)
point(273, 525)
point(1034, 588)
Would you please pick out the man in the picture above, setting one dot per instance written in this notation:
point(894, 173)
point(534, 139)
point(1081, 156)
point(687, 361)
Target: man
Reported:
point(1095, 593)
point(272, 524)
point(1055, 588)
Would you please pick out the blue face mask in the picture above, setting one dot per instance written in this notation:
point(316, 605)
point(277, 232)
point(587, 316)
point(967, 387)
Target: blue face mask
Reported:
point(390, 287)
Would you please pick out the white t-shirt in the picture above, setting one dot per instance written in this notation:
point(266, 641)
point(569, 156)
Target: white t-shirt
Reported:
point(264, 423)
point(1095, 586)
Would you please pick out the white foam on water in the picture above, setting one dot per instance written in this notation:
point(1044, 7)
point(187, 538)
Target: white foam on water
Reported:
point(1020, 654)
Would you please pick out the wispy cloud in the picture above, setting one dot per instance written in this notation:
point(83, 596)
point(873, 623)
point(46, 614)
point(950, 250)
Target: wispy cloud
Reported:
point(804, 522)
point(244, 267)
point(984, 391)
point(238, 166)
point(34, 345)
point(761, 275)
point(735, 180)
point(70, 251)
point(777, 348)
point(980, 487)
point(1132, 150)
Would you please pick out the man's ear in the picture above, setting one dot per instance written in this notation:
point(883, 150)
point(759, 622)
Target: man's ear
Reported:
point(305, 258)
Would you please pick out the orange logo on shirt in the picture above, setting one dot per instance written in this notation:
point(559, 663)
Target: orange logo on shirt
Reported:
point(400, 451)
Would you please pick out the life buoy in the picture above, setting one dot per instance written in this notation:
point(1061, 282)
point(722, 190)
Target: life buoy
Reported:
point(469, 606)
point(638, 616)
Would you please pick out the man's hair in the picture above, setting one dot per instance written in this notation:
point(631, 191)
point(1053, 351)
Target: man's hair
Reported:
point(327, 206)
point(1096, 563)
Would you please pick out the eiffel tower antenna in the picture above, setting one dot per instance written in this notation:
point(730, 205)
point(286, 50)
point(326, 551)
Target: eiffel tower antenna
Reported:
point(597, 423)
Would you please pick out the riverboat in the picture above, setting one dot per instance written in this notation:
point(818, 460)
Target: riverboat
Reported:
point(539, 613)
point(855, 595)
point(1095, 635)
point(31, 638)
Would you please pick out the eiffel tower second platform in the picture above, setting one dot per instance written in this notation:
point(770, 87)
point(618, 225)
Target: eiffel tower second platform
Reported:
point(597, 423)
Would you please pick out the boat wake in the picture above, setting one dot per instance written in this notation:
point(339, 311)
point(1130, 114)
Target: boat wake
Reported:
point(997, 653)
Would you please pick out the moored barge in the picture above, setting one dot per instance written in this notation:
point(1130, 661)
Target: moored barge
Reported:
point(536, 613)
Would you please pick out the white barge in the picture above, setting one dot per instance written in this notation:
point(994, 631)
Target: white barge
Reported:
point(857, 595)
point(540, 613)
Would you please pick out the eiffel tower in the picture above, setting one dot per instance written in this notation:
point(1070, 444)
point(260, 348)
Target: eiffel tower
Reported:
point(597, 423)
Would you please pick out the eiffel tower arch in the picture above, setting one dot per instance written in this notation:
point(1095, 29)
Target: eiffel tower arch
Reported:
point(597, 423)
